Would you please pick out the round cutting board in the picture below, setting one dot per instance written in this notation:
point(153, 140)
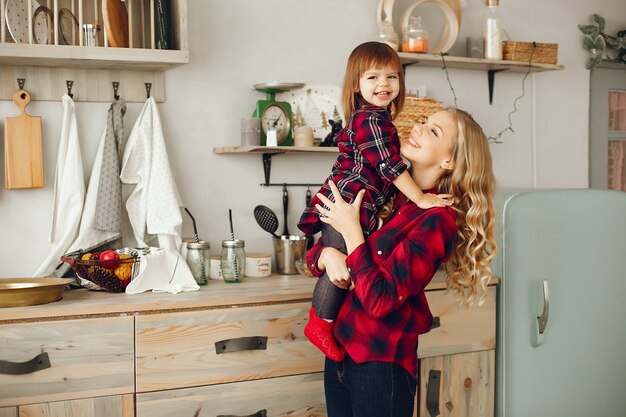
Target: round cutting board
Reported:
point(115, 22)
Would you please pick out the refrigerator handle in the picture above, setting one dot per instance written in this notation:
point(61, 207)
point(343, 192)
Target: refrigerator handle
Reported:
point(542, 320)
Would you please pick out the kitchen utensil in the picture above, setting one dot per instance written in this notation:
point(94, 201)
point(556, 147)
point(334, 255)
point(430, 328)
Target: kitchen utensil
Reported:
point(19, 292)
point(115, 22)
point(16, 17)
point(285, 208)
point(309, 238)
point(267, 219)
point(23, 157)
point(43, 26)
point(287, 250)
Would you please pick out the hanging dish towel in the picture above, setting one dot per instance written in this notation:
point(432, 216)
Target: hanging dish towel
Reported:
point(154, 205)
point(100, 225)
point(69, 191)
point(162, 270)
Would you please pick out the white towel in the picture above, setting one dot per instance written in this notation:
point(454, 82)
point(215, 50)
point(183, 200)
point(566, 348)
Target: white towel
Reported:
point(69, 191)
point(154, 205)
point(162, 270)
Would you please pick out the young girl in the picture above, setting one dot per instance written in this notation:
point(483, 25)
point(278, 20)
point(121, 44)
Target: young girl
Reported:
point(369, 159)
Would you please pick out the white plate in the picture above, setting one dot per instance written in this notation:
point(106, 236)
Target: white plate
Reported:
point(43, 25)
point(17, 18)
point(318, 102)
point(68, 28)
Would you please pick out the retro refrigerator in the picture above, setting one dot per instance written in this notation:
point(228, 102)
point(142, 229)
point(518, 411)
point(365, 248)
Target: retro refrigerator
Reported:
point(561, 349)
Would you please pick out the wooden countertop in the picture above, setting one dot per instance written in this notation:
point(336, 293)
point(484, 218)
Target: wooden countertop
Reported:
point(217, 294)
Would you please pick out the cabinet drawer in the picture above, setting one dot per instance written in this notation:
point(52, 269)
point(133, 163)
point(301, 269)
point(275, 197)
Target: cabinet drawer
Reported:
point(186, 349)
point(292, 396)
point(88, 358)
point(114, 406)
point(461, 329)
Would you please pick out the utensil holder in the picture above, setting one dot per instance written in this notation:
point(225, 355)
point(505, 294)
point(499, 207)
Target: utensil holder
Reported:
point(287, 250)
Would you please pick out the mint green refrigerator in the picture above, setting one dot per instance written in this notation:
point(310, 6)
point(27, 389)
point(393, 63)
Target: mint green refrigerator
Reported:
point(561, 348)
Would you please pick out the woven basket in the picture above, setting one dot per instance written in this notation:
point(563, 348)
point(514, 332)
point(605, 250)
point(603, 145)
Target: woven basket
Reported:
point(92, 273)
point(414, 110)
point(545, 53)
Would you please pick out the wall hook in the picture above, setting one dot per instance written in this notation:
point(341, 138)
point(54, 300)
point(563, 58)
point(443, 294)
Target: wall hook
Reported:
point(148, 87)
point(69, 84)
point(20, 83)
point(116, 86)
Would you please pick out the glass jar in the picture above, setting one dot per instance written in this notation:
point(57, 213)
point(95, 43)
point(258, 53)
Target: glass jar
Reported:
point(415, 37)
point(233, 260)
point(198, 259)
point(492, 31)
point(387, 35)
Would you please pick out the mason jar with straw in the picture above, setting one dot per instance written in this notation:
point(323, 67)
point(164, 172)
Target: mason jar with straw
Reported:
point(233, 259)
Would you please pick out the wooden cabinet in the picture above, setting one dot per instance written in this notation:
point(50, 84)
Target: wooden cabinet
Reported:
point(228, 349)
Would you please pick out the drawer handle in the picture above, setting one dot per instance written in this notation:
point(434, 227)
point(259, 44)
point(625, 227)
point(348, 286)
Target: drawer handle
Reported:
point(436, 322)
point(241, 343)
point(39, 362)
point(260, 413)
point(432, 393)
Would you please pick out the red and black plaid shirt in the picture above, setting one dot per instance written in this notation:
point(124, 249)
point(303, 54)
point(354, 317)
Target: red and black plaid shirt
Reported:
point(380, 320)
point(369, 158)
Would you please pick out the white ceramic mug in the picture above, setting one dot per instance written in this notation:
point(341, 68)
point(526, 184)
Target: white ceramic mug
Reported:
point(258, 264)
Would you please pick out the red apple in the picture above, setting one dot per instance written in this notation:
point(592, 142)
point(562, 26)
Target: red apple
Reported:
point(109, 259)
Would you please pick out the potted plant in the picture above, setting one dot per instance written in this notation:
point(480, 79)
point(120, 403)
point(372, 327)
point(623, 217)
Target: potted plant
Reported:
point(597, 41)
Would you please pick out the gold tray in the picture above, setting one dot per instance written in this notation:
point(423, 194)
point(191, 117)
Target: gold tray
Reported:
point(20, 292)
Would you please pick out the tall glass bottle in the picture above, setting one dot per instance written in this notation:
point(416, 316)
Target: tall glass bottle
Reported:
point(492, 31)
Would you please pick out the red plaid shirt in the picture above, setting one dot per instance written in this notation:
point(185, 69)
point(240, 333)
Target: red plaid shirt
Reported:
point(380, 320)
point(369, 158)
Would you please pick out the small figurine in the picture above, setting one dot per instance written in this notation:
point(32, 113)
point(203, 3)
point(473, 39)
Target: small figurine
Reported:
point(330, 139)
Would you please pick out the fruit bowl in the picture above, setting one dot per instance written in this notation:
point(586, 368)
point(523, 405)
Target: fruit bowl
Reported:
point(109, 270)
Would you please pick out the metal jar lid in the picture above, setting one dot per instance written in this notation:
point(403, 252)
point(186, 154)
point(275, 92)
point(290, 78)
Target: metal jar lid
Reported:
point(233, 243)
point(198, 245)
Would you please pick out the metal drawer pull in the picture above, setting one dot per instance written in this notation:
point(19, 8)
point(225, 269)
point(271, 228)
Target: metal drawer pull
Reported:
point(260, 413)
point(436, 322)
point(542, 320)
point(39, 362)
point(241, 343)
point(432, 392)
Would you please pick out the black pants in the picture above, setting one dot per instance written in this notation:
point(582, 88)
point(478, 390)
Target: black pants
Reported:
point(327, 297)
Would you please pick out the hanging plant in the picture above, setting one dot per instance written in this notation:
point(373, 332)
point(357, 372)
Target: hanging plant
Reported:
point(596, 41)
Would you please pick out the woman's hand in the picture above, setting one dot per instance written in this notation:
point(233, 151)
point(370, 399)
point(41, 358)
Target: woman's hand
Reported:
point(334, 262)
point(343, 217)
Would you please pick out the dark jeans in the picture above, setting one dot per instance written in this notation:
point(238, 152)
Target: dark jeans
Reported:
point(371, 389)
point(327, 297)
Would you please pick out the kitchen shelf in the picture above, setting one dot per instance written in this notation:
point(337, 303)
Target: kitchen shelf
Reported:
point(491, 66)
point(268, 151)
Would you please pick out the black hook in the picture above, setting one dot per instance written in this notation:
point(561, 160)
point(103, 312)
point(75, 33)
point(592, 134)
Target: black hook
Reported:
point(21, 82)
point(148, 87)
point(69, 84)
point(116, 85)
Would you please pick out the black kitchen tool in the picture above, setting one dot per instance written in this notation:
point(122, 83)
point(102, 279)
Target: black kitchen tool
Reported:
point(285, 208)
point(267, 219)
point(309, 238)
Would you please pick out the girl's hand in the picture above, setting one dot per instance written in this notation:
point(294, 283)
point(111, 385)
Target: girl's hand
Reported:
point(434, 200)
point(334, 262)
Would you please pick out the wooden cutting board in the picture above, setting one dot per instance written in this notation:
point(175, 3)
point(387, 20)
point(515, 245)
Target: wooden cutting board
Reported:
point(23, 156)
point(115, 22)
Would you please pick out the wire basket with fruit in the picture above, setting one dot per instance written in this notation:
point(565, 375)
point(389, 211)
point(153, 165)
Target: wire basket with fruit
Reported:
point(109, 270)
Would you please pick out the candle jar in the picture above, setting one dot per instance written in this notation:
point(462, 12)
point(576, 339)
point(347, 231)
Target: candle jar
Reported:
point(198, 259)
point(303, 136)
point(233, 260)
point(415, 37)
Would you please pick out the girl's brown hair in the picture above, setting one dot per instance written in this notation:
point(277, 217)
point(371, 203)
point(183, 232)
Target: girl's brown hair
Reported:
point(364, 57)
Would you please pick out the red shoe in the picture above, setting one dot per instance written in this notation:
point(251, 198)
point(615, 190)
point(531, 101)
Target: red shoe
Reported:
point(320, 333)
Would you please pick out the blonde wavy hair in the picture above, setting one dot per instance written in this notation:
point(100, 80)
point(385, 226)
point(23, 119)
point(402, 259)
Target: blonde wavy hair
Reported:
point(472, 183)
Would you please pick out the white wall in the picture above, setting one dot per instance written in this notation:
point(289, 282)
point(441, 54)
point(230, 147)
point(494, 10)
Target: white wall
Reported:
point(236, 43)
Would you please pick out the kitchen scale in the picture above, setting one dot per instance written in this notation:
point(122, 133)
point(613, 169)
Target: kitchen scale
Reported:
point(275, 116)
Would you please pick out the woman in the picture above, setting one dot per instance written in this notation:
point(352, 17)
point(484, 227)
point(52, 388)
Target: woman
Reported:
point(380, 320)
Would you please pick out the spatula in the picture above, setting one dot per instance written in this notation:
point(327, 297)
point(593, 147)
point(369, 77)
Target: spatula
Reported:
point(267, 219)
point(23, 156)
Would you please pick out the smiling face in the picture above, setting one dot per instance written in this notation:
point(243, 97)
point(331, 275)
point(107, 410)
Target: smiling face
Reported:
point(379, 86)
point(430, 143)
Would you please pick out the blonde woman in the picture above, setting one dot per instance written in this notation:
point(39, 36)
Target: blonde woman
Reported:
point(380, 319)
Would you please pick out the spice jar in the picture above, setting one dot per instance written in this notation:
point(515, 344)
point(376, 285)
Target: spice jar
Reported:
point(387, 35)
point(492, 31)
point(415, 37)
point(233, 260)
point(198, 260)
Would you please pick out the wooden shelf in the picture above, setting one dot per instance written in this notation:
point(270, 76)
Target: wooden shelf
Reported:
point(462, 62)
point(274, 149)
